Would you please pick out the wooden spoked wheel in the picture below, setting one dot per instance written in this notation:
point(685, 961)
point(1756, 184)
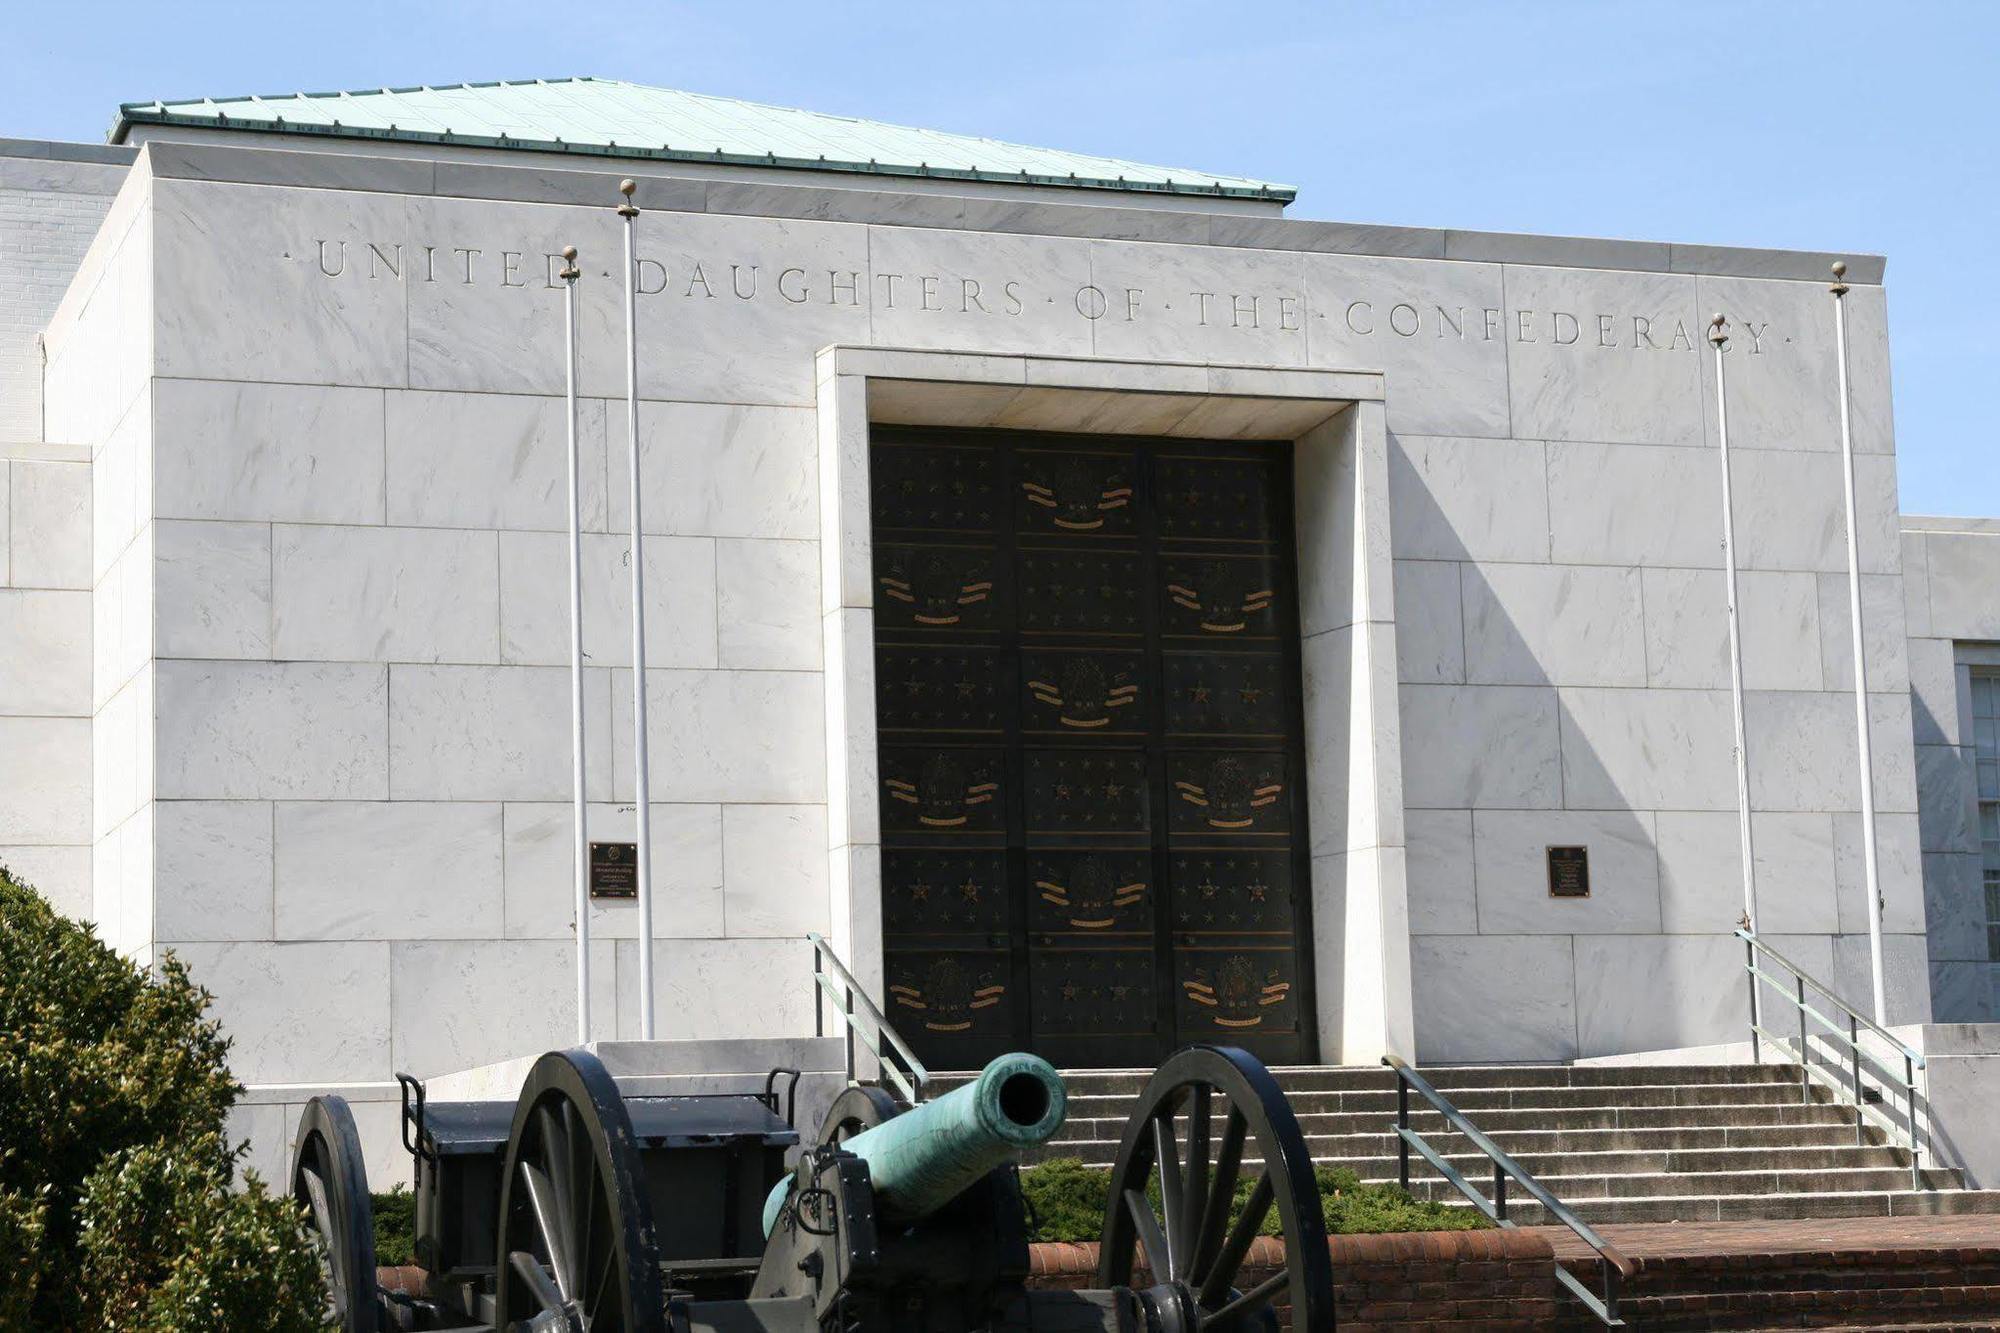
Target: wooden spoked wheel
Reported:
point(855, 1109)
point(330, 1181)
point(1209, 1120)
point(576, 1250)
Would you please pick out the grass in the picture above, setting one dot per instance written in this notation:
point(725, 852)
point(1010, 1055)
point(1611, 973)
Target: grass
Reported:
point(1066, 1202)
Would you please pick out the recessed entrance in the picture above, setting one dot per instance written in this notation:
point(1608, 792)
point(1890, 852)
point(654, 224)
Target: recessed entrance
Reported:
point(1089, 719)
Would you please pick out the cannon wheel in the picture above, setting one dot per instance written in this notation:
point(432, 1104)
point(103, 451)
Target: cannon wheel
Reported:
point(576, 1247)
point(858, 1108)
point(330, 1181)
point(1192, 1244)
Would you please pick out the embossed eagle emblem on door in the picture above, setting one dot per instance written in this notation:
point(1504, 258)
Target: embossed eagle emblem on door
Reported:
point(1236, 990)
point(1085, 696)
point(948, 995)
point(1093, 897)
point(943, 793)
point(939, 591)
point(1230, 797)
point(1078, 499)
point(1220, 597)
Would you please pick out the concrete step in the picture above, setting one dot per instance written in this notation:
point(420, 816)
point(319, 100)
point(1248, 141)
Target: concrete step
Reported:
point(1906, 1304)
point(1831, 1122)
point(1448, 1079)
point(1755, 1207)
point(1573, 1189)
point(1475, 1102)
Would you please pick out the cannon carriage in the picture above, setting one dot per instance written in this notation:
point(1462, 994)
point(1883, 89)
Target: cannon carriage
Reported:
point(576, 1207)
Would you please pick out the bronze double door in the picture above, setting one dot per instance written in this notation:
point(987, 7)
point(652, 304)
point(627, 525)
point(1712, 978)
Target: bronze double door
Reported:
point(1089, 733)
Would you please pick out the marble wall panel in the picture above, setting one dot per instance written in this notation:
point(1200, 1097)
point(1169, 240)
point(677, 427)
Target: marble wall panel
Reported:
point(1916, 583)
point(1783, 376)
point(680, 600)
point(212, 860)
point(1233, 307)
point(122, 622)
point(687, 871)
point(767, 604)
point(1701, 872)
point(1954, 908)
point(1906, 977)
point(996, 292)
point(1790, 513)
point(717, 470)
point(1647, 750)
point(212, 589)
point(1655, 992)
point(60, 874)
point(385, 594)
point(111, 767)
point(299, 1013)
point(1425, 325)
point(257, 730)
point(1934, 704)
point(1963, 993)
point(1439, 860)
point(376, 870)
point(1961, 567)
point(756, 736)
point(720, 988)
point(1633, 505)
point(1899, 873)
point(494, 733)
point(1803, 754)
point(1466, 746)
point(49, 786)
point(49, 524)
point(1687, 629)
point(289, 453)
point(1553, 625)
point(121, 485)
point(6, 521)
point(1430, 623)
point(1510, 865)
point(774, 870)
point(1467, 499)
point(242, 290)
point(1522, 986)
point(1947, 803)
point(44, 651)
point(492, 460)
point(1623, 367)
point(465, 1003)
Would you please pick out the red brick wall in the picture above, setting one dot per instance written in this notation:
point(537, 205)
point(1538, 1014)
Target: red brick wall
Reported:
point(1471, 1281)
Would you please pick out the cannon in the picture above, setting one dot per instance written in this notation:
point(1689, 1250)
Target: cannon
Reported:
point(578, 1208)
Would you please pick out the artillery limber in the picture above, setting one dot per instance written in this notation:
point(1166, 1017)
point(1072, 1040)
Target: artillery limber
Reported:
point(578, 1208)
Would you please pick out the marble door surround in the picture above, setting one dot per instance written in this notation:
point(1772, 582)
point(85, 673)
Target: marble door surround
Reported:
point(1335, 422)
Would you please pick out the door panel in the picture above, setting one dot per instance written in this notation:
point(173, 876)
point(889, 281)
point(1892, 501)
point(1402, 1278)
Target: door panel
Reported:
point(1089, 713)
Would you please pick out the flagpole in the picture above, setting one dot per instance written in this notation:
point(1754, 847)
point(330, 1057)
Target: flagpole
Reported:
point(1861, 723)
point(1719, 340)
point(642, 779)
point(581, 866)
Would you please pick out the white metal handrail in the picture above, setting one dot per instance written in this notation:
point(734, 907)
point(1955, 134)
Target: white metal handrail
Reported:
point(899, 1063)
point(1849, 1036)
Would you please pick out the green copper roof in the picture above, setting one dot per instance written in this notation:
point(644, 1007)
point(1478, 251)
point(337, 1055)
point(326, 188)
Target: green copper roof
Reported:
point(608, 117)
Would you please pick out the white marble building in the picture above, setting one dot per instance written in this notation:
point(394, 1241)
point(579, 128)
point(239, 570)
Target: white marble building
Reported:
point(283, 629)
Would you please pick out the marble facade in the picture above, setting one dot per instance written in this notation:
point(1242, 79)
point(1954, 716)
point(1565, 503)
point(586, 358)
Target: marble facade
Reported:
point(301, 707)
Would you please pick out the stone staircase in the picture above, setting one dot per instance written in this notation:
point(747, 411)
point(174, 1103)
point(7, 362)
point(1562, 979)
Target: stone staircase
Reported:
point(1616, 1144)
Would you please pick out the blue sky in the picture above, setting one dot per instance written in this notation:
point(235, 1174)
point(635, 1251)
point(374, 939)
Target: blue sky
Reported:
point(1835, 126)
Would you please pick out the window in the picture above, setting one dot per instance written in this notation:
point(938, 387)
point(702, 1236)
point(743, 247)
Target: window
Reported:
point(1986, 749)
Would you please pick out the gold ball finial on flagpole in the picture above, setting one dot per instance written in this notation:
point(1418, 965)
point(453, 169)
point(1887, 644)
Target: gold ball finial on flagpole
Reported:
point(1715, 329)
point(628, 209)
point(1839, 284)
point(568, 272)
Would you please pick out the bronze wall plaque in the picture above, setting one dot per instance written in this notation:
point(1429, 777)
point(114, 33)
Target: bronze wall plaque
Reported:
point(614, 869)
point(1569, 872)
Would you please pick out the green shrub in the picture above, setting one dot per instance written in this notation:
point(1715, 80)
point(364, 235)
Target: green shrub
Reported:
point(395, 1227)
point(115, 1202)
point(1066, 1202)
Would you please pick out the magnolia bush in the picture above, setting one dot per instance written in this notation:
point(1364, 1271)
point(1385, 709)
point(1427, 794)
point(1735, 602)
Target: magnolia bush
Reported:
point(116, 1203)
